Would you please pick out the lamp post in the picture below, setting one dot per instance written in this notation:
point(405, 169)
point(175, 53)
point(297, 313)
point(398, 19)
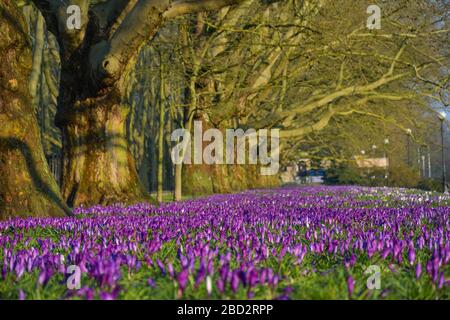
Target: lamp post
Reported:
point(386, 164)
point(442, 117)
point(422, 159)
point(374, 149)
point(408, 136)
point(363, 162)
point(429, 161)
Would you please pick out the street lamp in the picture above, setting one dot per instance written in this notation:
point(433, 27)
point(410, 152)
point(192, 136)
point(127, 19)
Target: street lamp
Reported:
point(408, 136)
point(363, 152)
point(374, 150)
point(442, 117)
point(386, 164)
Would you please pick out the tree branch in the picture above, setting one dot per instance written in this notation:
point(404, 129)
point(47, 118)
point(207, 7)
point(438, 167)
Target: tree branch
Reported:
point(180, 7)
point(48, 10)
point(55, 14)
point(141, 24)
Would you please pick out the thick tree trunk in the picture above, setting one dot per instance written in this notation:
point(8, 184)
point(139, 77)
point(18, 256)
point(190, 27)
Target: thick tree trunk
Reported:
point(27, 187)
point(98, 165)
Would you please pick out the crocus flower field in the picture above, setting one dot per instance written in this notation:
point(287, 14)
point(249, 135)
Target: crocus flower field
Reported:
point(290, 243)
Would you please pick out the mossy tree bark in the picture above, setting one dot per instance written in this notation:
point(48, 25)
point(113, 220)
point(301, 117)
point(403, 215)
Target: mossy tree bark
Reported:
point(27, 187)
point(95, 60)
point(98, 166)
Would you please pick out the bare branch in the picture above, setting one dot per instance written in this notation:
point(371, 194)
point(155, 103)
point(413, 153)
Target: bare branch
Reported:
point(181, 7)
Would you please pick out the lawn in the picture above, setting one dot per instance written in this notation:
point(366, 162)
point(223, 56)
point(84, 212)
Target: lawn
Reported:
point(289, 243)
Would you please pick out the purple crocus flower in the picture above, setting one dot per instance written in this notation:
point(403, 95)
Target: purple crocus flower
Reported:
point(182, 279)
point(253, 278)
point(184, 261)
point(411, 255)
point(210, 267)
point(352, 260)
point(386, 252)
point(418, 270)
point(263, 276)
point(200, 274)
point(44, 277)
point(89, 294)
point(107, 295)
point(151, 282)
point(220, 285)
point(20, 269)
point(275, 280)
point(161, 266)
point(441, 280)
point(170, 269)
point(4, 272)
point(350, 286)
point(234, 283)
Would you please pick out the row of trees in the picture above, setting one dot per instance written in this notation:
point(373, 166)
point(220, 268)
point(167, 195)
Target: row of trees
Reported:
point(137, 70)
point(333, 86)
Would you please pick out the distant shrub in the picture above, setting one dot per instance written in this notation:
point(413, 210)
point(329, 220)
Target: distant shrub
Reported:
point(399, 176)
point(352, 175)
point(430, 185)
point(403, 176)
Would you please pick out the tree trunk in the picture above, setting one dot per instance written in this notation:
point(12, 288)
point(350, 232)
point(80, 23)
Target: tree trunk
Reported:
point(98, 165)
point(27, 187)
point(162, 102)
point(178, 181)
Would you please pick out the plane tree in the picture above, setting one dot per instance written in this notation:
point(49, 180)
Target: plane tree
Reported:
point(96, 59)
